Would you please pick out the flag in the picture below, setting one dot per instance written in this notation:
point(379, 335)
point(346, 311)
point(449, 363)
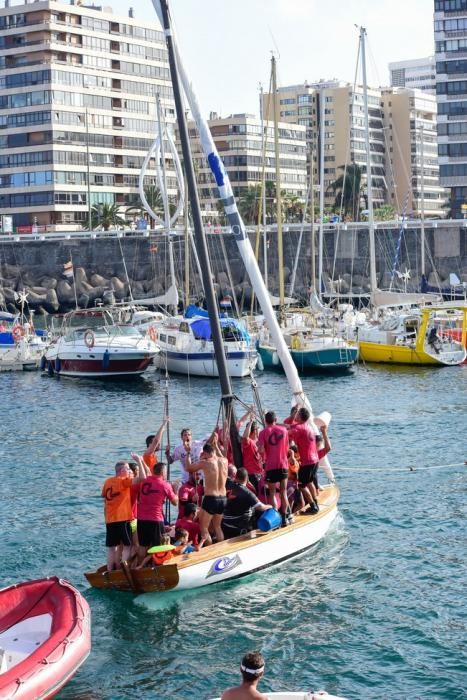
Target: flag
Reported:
point(68, 270)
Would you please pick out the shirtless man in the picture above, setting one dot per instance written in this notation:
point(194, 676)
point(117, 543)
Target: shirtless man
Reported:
point(215, 469)
point(252, 670)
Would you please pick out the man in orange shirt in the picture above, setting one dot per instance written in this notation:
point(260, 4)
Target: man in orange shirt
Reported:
point(116, 493)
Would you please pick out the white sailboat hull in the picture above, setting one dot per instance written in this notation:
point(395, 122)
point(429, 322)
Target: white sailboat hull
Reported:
point(203, 364)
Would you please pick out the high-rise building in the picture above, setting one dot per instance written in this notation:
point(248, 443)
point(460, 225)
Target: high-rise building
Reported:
point(239, 141)
point(417, 73)
point(411, 154)
point(77, 109)
point(450, 25)
point(343, 130)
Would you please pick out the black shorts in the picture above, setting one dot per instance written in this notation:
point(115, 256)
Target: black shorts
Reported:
point(214, 505)
point(306, 474)
point(150, 532)
point(118, 533)
point(273, 476)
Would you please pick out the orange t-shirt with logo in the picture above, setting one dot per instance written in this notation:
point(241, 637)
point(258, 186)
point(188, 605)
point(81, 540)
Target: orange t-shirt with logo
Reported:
point(117, 494)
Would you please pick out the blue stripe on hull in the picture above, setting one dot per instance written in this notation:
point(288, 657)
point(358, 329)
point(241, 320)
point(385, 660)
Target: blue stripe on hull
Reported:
point(208, 355)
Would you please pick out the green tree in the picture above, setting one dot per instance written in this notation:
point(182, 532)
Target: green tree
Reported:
point(106, 215)
point(384, 213)
point(292, 207)
point(347, 189)
point(249, 204)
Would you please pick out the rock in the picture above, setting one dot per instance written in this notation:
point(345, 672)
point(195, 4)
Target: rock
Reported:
point(118, 288)
point(65, 293)
point(35, 300)
point(11, 270)
point(39, 290)
point(108, 298)
point(51, 304)
point(48, 282)
point(98, 281)
point(223, 280)
point(11, 308)
point(80, 275)
point(83, 301)
point(26, 279)
point(9, 295)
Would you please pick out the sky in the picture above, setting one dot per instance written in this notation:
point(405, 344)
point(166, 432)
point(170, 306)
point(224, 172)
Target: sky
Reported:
point(227, 44)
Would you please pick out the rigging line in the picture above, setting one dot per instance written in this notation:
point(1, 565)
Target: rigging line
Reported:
point(388, 470)
point(399, 241)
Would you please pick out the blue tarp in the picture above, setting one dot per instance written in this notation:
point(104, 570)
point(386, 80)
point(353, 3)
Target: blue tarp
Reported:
point(192, 310)
point(202, 328)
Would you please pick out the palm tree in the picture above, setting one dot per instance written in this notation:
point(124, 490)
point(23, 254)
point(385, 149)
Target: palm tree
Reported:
point(348, 190)
point(249, 203)
point(106, 215)
point(293, 207)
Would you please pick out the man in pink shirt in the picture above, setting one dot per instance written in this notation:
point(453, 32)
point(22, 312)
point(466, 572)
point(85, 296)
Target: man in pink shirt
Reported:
point(252, 460)
point(273, 444)
point(152, 493)
point(305, 439)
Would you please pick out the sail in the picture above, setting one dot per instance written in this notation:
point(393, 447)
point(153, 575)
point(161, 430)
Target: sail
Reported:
point(169, 298)
point(237, 225)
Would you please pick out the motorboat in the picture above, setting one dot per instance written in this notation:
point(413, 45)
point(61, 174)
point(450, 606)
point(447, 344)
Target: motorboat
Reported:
point(21, 346)
point(186, 346)
point(91, 344)
point(434, 335)
point(45, 636)
point(227, 560)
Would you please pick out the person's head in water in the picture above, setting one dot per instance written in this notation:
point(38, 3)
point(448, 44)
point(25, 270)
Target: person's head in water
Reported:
point(252, 667)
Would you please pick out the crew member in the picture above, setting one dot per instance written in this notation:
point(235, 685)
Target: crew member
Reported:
point(116, 493)
point(152, 494)
point(273, 443)
point(241, 506)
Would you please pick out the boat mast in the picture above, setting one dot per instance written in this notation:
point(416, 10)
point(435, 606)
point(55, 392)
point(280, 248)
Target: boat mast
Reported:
point(280, 243)
point(263, 188)
point(226, 388)
point(321, 195)
point(371, 222)
point(422, 192)
point(237, 226)
point(312, 194)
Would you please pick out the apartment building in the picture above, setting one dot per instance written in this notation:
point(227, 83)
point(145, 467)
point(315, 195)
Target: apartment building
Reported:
point(450, 26)
point(77, 109)
point(417, 73)
point(343, 130)
point(412, 167)
point(239, 140)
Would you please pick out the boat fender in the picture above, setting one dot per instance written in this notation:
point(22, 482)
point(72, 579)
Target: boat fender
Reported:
point(43, 363)
point(275, 359)
point(260, 364)
point(89, 338)
point(152, 334)
point(58, 365)
point(17, 333)
point(269, 520)
point(106, 360)
point(50, 369)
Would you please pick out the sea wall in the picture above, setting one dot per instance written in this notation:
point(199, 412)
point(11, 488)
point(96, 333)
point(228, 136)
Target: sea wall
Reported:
point(107, 265)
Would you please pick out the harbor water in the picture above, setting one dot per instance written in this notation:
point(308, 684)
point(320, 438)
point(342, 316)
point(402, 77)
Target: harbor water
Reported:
point(376, 610)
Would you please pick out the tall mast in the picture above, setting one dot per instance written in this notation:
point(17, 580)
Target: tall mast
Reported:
point(263, 151)
point(321, 194)
point(201, 244)
point(371, 222)
point(312, 185)
point(280, 245)
point(422, 192)
point(238, 228)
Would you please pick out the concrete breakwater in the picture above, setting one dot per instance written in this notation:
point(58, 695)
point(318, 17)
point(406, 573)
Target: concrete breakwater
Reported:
point(108, 265)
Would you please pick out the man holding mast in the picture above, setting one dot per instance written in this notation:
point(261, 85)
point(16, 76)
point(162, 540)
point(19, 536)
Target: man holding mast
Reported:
point(214, 466)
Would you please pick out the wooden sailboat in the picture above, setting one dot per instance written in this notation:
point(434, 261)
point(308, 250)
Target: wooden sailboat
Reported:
point(243, 555)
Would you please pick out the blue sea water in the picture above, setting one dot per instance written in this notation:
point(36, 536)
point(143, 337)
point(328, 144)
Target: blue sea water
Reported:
point(376, 610)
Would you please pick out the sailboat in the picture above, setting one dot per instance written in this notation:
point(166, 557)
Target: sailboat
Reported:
point(407, 335)
point(239, 556)
point(313, 344)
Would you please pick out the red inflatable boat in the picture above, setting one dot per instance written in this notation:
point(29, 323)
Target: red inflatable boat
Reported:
point(45, 636)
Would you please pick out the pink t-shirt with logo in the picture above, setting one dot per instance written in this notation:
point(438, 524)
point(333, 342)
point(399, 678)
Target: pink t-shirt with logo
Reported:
point(305, 439)
point(251, 457)
point(275, 440)
point(152, 494)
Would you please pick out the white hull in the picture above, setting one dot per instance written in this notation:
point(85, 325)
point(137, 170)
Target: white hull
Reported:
point(232, 559)
point(205, 365)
